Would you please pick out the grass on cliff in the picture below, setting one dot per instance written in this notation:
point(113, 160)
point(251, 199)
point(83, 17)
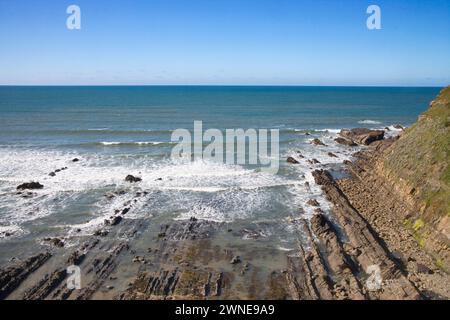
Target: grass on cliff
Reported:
point(420, 159)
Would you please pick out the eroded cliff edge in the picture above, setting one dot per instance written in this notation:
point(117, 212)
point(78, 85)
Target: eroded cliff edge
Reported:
point(417, 165)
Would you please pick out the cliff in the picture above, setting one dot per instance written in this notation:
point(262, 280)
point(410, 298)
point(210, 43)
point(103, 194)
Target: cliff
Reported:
point(417, 164)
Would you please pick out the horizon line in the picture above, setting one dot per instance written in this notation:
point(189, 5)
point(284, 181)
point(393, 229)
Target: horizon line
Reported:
point(220, 85)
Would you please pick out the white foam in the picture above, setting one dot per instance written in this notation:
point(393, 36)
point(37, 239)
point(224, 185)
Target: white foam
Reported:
point(182, 189)
point(181, 186)
point(98, 129)
point(285, 249)
point(11, 231)
point(369, 122)
point(117, 143)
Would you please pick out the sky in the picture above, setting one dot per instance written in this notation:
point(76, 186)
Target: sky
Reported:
point(229, 42)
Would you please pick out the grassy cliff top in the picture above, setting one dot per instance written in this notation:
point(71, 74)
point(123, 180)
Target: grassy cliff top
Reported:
point(419, 160)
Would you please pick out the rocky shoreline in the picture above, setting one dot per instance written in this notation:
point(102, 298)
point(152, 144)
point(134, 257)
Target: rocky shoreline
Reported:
point(362, 251)
point(185, 261)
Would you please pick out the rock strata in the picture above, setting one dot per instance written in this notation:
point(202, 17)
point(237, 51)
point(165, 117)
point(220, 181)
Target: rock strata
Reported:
point(362, 135)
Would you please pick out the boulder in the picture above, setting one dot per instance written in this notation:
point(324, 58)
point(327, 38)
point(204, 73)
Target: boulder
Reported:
point(235, 260)
point(317, 142)
point(115, 220)
point(345, 142)
point(101, 233)
point(331, 154)
point(362, 135)
point(131, 178)
point(299, 154)
point(30, 185)
point(292, 160)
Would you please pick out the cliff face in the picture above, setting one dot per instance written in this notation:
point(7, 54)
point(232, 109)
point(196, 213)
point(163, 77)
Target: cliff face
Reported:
point(418, 165)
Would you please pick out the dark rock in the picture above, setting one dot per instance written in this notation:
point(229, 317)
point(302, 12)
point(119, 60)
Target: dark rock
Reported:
point(235, 260)
point(139, 259)
point(110, 196)
point(345, 142)
point(30, 185)
point(75, 160)
point(318, 211)
point(101, 233)
point(115, 220)
point(28, 195)
point(55, 241)
point(159, 179)
point(398, 126)
point(52, 174)
point(131, 178)
point(76, 258)
point(331, 154)
point(11, 277)
point(317, 142)
point(125, 211)
point(313, 161)
point(292, 160)
point(362, 135)
point(313, 203)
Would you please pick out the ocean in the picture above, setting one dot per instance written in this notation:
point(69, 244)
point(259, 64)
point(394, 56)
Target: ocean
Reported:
point(119, 130)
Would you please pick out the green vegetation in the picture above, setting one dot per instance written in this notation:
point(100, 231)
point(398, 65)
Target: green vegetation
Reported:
point(420, 160)
point(418, 224)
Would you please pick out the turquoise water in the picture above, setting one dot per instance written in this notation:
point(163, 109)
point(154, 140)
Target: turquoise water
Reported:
point(116, 131)
point(58, 116)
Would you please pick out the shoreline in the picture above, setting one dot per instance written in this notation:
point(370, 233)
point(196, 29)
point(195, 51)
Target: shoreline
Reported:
point(200, 259)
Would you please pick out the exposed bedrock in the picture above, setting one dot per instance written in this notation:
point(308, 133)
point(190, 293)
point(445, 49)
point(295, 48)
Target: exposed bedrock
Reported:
point(362, 135)
point(13, 276)
point(369, 248)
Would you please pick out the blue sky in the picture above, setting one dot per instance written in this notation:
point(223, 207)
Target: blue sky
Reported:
point(292, 42)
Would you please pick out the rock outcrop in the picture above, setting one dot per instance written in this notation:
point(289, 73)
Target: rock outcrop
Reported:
point(30, 186)
point(131, 178)
point(362, 135)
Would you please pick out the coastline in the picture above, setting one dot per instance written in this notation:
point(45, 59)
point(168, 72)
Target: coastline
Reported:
point(358, 234)
point(195, 259)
